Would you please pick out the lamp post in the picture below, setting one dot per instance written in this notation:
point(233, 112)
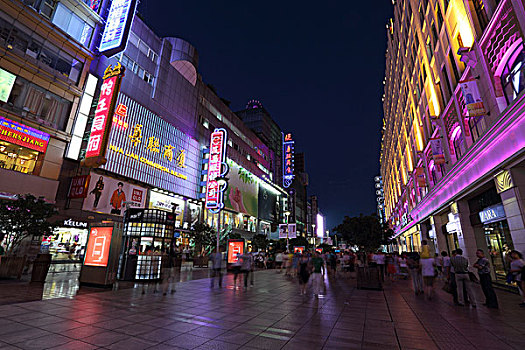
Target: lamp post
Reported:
point(222, 181)
point(314, 234)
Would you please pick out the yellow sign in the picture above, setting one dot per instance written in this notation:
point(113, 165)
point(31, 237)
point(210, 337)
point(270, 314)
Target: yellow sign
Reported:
point(148, 162)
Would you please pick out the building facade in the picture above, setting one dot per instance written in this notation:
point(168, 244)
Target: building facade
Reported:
point(452, 155)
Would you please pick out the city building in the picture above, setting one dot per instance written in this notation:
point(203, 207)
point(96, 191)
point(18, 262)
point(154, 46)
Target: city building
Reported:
point(254, 204)
point(46, 54)
point(452, 154)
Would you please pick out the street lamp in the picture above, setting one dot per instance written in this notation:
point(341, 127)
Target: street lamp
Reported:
point(222, 182)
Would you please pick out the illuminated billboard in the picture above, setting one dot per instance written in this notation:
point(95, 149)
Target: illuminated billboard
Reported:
point(288, 160)
point(216, 168)
point(242, 194)
point(97, 249)
point(118, 25)
point(23, 135)
point(101, 126)
point(235, 248)
point(145, 147)
point(320, 226)
point(7, 80)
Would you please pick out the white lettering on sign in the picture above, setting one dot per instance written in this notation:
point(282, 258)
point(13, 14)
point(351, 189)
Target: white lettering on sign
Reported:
point(73, 223)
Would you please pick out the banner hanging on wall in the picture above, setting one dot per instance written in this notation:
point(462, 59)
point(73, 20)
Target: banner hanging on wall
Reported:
point(473, 100)
point(437, 150)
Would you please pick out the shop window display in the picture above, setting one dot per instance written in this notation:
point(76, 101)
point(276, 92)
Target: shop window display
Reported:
point(17, 158)
point(66, 243)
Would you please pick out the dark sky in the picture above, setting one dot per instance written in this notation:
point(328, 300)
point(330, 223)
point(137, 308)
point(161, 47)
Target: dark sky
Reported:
point(317, 67)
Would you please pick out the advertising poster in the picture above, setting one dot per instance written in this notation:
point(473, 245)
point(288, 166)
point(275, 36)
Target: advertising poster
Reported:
point(193, 214)
point(283, 230)
point(437, 151)
point(242, 192)
point(107, 195)
point(164, 202)
point(420, 177)
point(7, 80)
point(299, 249)
point(97, 250)
point(268, 204)
point(470, 91)
point(292, 231)
point(235, 247)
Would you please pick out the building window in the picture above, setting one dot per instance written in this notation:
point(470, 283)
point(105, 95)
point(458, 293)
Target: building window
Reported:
point(458, 142)
point(45, 7)
point(477, 127)
point(481, 14)
point(513, 76)
point(454, 67)
point(73, 25)
point(439, 17)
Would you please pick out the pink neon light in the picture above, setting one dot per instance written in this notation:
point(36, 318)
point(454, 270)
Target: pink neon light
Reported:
point(486, 155)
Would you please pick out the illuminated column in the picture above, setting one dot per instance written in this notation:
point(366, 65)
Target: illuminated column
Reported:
point(467, 240)
point(514, 203)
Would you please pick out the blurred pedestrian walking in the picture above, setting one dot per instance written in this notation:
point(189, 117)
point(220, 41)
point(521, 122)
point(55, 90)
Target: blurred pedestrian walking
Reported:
point(318, 271)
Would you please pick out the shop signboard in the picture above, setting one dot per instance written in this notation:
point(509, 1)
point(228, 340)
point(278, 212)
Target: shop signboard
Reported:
point(288, 160)
point(473, 100)
point(242, 194)
point(79, 186)
point(216, 168)
point(118, 24)
point(147, 148)
point(235, 248)
point(97, 250)
point(166, 202)
point(7, 80)
point(437, 150)
point(108, 195)
point(23, 135)
point(101, 126)
point(492, 214)
point(75, 224)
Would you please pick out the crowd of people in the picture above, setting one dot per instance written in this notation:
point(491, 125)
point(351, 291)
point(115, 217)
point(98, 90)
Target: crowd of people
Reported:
point(456, 272)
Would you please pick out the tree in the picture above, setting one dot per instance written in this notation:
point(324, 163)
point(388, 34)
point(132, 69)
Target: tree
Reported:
point(260, 242)
point(363, 231)
point(203, 236)
point(27, 216)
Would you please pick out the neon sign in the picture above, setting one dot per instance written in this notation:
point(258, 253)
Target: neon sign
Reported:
point(118, 25)
point(23, 135)
point(288, 160)
point(152, 150)
point(216, 164)
point(101, 127)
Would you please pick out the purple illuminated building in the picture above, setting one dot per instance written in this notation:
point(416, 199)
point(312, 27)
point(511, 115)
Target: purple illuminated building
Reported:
point(453, 145)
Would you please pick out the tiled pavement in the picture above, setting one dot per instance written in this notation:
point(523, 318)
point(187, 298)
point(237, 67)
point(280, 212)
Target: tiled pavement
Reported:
point(271, 315)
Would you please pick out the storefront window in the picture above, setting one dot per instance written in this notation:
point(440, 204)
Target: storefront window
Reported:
point(499, 244)
point(66, 243)
point(14, 157)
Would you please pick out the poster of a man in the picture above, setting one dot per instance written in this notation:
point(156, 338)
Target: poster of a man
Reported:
point(117, 199)
point(97, 191)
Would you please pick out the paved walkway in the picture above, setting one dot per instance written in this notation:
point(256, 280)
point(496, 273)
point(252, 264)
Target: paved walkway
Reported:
point(271, 315)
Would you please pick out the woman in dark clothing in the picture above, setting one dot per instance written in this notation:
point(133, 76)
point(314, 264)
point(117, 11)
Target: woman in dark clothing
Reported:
point(304, 273)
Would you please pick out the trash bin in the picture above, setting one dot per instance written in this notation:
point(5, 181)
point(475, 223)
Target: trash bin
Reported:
point(41, 267)
point(368, 277)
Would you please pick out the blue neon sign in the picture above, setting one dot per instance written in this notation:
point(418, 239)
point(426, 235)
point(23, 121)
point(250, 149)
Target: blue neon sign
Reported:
point(118, 25)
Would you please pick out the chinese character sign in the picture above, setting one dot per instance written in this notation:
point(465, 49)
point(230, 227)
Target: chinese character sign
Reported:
point(216, 164)
point(101, 126)
point(118, 25)
point(288, 160)
point(97, 250)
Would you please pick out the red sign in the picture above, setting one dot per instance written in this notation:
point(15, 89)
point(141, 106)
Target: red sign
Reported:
point(23, 135)
point(235, 247)
point(101, 126)
point(98, 128)
point(214, 193)
point(97, 250)
point(79, 186)
point(298, 249)
point(136, 195)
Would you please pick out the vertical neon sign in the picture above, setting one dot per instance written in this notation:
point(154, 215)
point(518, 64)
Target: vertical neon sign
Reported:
point(118, 25)
point(101, 127)
point(217, 167)
point(288, 160)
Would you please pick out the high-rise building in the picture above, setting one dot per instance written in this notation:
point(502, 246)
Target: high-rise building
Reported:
point(452, 154)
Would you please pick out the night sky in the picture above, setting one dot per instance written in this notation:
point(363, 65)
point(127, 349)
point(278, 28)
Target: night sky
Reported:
point(317, 67)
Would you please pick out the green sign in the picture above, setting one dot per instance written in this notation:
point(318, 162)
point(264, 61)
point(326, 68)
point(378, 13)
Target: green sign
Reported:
point(7, 81)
